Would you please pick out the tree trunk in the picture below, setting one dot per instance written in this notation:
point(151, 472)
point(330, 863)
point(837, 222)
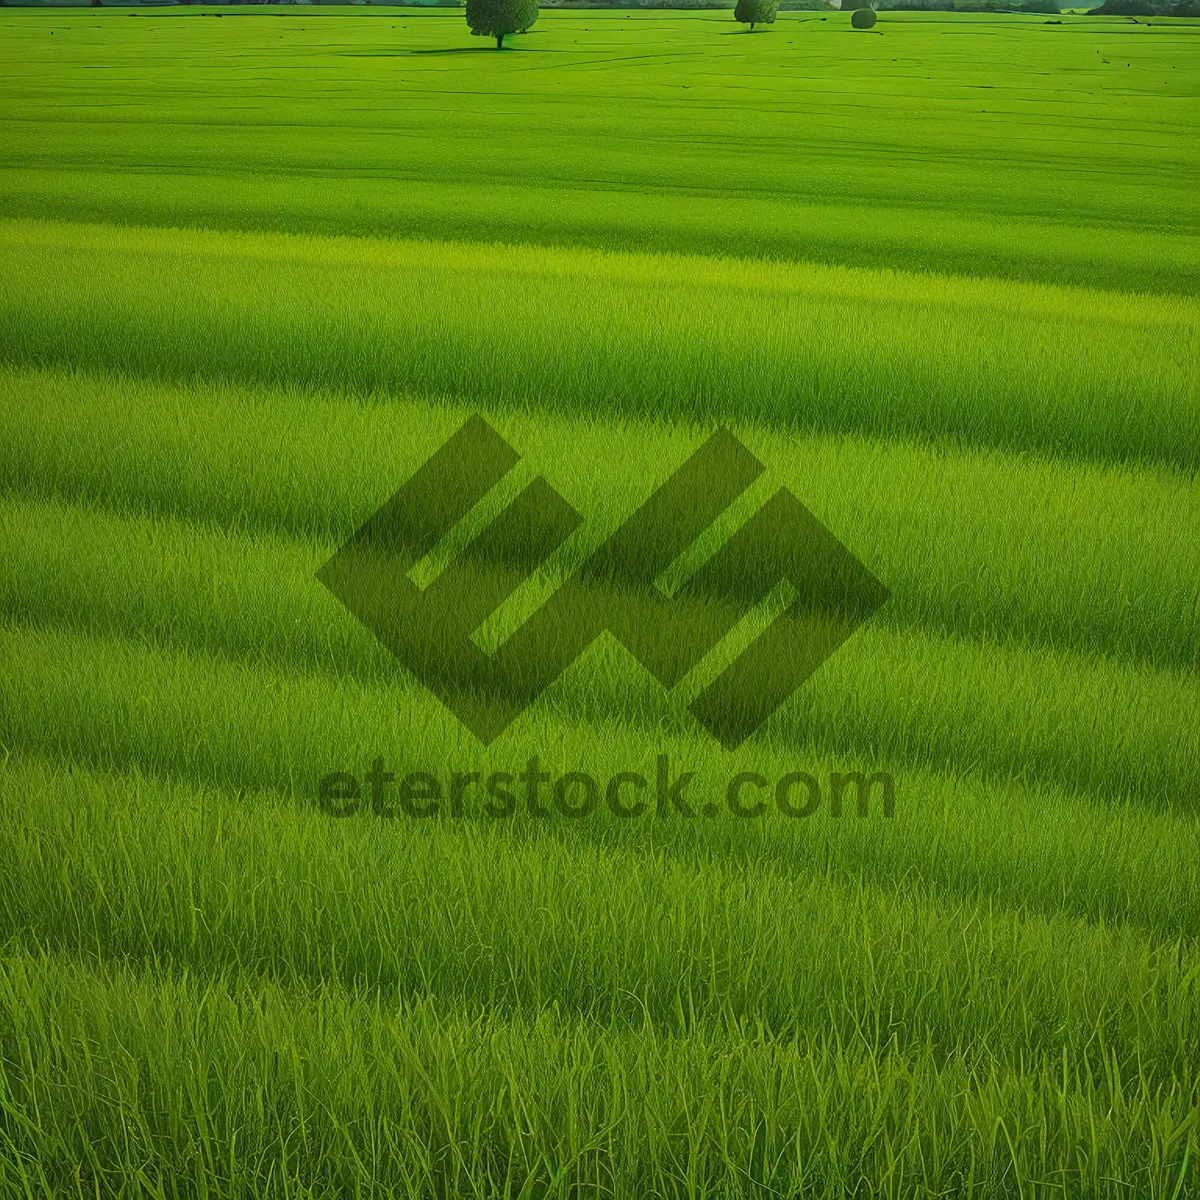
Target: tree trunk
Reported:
point(499, 41)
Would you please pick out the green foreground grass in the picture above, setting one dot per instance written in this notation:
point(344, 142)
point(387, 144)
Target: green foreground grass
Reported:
point(459, 1011)
point(257, 269)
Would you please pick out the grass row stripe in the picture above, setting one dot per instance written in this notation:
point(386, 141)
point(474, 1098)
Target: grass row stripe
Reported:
point(914, 699)
point(975, 543)
point(1022, 849)
point(916, 238)
point(467, 915)
point(805, 348)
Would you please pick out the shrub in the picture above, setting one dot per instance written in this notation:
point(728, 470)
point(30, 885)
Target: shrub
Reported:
point(756, 12)
point(863, 18)
point(495, 18)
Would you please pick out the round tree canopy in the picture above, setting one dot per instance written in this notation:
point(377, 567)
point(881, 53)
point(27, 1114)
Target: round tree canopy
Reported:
point(496, 18)
point(756, 12)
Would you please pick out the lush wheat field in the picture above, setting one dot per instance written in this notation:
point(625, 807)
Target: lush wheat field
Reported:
point(941, 279)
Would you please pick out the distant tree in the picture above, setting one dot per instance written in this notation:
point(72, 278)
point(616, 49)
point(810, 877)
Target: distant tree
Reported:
point(495, 18)
point(863, 18)
point(756, 12)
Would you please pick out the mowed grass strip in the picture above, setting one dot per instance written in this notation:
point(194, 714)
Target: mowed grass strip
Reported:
point(464, 913)
point(1017, 366)
point(305, 1094)
point(1004, 710)
point(974, 543)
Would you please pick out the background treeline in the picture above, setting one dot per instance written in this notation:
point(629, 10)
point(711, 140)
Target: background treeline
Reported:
point(1124, 8)
point(1149, 8)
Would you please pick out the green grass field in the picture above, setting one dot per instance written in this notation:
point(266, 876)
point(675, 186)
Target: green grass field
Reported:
point(943, 278)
